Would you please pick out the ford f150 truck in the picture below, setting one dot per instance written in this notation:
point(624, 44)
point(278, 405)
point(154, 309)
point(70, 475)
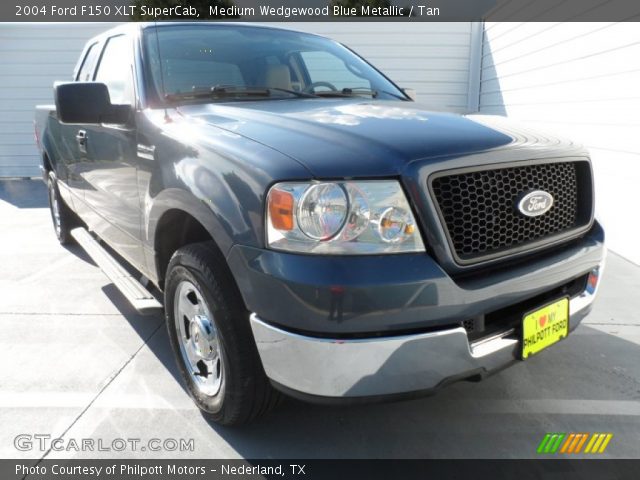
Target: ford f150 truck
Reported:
point(312, 229)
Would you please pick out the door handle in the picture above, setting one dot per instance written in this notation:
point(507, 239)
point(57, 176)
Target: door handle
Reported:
point(81, 138)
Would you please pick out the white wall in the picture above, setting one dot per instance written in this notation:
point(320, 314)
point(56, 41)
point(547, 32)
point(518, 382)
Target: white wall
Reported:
point(32, 56)
point(581, 80)
point(431, 58)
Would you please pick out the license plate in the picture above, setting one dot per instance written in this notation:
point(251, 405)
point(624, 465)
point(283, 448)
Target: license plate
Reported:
point(544, 327)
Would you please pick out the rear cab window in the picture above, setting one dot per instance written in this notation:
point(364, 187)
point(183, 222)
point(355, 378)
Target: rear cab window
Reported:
point(114, 70)
point(85, 73)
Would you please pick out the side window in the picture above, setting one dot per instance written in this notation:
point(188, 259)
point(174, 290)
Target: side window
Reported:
point(325, 67)
point(114, 70)
point(88, 64)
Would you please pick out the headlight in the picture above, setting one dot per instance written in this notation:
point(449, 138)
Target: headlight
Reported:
point(322, 211)
point(343, 218)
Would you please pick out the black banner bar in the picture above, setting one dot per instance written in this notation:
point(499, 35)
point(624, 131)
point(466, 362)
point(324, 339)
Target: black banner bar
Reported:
point(296, 469)
point(320, 10)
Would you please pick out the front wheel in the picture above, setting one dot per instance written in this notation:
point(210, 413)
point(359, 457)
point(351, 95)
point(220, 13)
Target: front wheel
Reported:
point(211, 338)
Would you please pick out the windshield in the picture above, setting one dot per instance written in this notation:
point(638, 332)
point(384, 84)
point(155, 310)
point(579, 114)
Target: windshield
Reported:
point(187, 62)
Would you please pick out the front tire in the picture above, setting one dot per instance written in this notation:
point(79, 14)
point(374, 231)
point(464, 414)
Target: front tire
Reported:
point(211, 338)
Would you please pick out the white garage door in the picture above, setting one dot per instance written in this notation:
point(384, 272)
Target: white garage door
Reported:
point(32, 57)
point(433, 59)
point(581, 80)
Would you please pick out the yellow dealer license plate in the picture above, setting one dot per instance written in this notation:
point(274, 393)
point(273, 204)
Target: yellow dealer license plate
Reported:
point(544, 327)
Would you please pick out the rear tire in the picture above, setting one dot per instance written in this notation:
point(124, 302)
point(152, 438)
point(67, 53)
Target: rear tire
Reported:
point(211, 338)
point(63, 218)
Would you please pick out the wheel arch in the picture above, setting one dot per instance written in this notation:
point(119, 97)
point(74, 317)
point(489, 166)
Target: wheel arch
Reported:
point(46, 163)
point(47, 166)
point(178, 219)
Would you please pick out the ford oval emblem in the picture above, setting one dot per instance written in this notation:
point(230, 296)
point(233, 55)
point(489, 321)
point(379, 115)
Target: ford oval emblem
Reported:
point(535, 203)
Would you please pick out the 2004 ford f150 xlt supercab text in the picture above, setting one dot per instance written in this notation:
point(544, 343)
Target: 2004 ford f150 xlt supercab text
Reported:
point(312, 229)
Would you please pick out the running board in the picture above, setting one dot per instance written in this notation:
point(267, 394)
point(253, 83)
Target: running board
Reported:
point(138, 296)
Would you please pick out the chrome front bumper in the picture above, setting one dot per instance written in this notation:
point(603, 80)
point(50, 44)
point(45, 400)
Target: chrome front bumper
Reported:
point(388, 365)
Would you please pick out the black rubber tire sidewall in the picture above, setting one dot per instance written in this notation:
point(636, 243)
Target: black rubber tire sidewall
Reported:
point(247, 393)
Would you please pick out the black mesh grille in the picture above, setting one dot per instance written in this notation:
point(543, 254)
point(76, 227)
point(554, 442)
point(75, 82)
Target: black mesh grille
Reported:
point(479, 208)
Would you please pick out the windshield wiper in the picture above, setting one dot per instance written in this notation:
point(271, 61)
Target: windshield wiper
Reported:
point(347, 92)
point(230, 91)
point(292, 92)
point(353, 92)
point(218, 91)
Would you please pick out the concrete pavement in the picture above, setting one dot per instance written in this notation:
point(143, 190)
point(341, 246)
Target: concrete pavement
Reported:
point(77, 362)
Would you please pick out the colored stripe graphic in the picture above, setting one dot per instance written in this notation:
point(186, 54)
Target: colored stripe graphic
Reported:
point(598, 443)
point(567, 443)
point(551, 442)
point(606, 441)
point(573, 443)
point(581, 442)
point(543, 443)
point(547, 448)
point(590, 444)
point(556, 445)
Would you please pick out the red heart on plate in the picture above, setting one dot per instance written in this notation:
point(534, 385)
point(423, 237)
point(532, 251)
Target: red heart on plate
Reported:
point(542, 320)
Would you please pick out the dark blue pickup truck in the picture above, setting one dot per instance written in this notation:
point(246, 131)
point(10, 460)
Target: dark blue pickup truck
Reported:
point(312, 229)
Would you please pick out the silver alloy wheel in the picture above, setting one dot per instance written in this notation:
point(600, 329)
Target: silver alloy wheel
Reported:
point(198, 338)
point(55, 209)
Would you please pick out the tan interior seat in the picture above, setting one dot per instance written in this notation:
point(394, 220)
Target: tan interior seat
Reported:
point(278, 76)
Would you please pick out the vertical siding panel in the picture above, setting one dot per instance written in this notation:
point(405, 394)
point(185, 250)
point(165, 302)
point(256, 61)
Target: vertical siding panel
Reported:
point(33, 56)
point(580, 80)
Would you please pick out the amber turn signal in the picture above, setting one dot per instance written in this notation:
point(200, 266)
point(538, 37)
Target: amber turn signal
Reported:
point(281, 209)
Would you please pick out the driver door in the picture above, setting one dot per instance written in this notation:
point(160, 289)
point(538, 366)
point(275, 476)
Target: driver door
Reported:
point(109, 168)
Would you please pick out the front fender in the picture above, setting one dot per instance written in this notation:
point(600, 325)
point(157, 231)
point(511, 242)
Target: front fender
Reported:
point(216, 176)
point(178, 199)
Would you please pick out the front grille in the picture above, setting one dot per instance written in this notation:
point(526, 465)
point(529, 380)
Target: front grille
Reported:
point(479, 207)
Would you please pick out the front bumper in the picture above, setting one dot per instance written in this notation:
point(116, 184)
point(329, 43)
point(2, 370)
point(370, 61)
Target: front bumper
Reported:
point(354, 327)
point(361, 296)
point(323, 369)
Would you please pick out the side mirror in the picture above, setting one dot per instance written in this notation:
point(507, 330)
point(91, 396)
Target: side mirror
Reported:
point(411, 93)
point(88, 102)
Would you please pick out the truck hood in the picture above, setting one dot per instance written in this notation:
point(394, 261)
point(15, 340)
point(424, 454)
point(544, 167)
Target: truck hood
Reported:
point(358, 137)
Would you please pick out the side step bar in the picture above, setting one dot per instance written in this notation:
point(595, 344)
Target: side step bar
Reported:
point(139, 297)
